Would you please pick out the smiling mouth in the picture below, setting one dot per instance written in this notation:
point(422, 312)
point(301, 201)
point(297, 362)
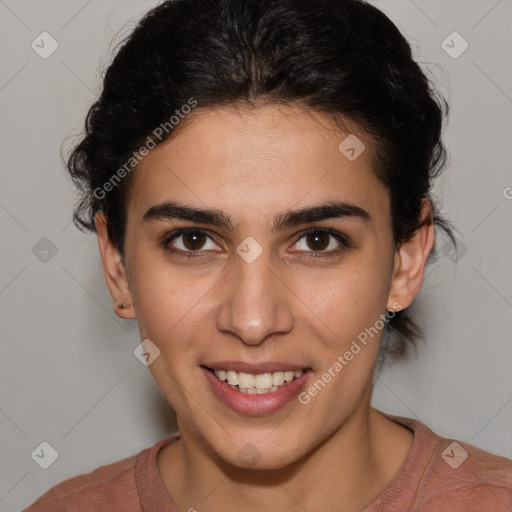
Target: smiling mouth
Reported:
point(260, 384)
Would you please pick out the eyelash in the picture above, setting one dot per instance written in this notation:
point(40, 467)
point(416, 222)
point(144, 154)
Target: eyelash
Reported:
point(340, 237)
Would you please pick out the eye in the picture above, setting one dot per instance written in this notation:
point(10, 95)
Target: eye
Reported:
point(322, 241)
point(189, 240)
point(318, 242)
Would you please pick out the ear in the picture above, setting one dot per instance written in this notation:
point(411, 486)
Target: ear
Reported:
point(115, 272)
point(409, 262)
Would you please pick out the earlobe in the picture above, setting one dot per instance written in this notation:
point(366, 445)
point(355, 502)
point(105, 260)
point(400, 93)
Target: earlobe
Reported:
point(114, 269)
point(410, 260)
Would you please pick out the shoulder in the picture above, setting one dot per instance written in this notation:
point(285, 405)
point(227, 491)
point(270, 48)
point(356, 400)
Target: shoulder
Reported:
point(441, 474)
point(459, 476)
point(109, 487)
point(468, 476)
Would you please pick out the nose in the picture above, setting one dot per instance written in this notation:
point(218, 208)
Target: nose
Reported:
point(256, 303)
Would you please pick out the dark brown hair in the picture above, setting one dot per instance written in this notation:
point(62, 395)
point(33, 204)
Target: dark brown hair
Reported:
point(343, 58)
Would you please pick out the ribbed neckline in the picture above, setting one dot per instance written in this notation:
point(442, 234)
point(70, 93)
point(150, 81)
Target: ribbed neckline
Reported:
point(397, 495)
point(150, 486)
point(402, 490)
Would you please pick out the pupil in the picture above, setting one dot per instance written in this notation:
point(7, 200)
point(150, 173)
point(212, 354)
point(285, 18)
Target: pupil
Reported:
point(316, 239)
point(193, 241)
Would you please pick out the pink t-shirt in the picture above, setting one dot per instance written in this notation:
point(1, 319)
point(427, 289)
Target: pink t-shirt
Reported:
point(438, 475)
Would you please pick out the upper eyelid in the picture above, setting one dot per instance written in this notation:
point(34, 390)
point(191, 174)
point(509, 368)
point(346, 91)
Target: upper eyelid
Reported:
point(183, 231)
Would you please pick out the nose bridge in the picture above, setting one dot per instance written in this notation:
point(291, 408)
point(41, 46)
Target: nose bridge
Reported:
point(255, 304)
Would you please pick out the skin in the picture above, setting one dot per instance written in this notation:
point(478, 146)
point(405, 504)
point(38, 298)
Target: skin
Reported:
point(335, 452)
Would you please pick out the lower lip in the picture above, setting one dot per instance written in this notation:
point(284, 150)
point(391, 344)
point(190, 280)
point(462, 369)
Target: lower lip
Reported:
point(253, 405)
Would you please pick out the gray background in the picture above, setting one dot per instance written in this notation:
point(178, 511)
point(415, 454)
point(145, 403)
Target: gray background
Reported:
point(68, 375)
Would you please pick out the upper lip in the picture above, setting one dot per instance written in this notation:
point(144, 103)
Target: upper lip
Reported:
point(256, 367)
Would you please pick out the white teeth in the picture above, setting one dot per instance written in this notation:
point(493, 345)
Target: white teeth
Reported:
point(245, 380)
point(257, 384)
point(288, 376)
point(277, 379)
point(263, 381)
point(232, 377)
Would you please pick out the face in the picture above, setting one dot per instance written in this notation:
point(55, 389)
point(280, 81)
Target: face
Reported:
point(251, 289)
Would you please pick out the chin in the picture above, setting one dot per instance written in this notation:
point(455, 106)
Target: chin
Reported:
point(251, 458)
point(259, 452)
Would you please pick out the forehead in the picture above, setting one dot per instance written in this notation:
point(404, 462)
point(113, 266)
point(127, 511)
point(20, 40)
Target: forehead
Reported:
point(265, 159)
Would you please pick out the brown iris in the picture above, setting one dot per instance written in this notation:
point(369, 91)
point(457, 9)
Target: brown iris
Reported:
point(317, 241)
point(194, 241)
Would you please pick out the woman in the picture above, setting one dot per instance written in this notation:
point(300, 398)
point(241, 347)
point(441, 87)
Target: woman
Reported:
point(258, 174)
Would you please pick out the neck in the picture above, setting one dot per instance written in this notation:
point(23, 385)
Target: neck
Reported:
point(345, 473)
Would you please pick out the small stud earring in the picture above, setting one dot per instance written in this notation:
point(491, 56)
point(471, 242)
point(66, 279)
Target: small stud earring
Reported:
point(123, 306)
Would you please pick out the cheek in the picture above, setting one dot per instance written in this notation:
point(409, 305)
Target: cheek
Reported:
point(345, 310)
point(170, 303)
point(346, 301)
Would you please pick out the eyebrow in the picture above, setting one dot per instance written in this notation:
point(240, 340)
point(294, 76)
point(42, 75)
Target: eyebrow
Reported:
point(333, 210)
